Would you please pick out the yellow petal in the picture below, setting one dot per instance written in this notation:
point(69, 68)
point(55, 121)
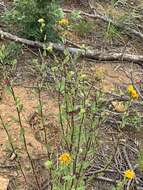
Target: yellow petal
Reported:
point(41, 20)
point(130, 174)
point(130, 88)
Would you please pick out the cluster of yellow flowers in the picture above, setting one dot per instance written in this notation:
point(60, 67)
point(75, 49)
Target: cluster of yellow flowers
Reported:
point(130, 174)
point(64, 22)
point(65, 158)
point(133, 92)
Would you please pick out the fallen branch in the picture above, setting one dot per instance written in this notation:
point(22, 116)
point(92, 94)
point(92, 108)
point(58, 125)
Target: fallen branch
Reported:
point(97, 55)
point(96, 15)
point(106, 179)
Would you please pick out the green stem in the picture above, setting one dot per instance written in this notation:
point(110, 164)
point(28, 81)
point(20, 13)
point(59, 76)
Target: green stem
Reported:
point(73, 130)
point(84, 158)
point(24, 139)
point(42, 118)
point(13, 149)
point(61, 122)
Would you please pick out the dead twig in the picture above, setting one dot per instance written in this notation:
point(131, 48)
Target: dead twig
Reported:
point(109, 180)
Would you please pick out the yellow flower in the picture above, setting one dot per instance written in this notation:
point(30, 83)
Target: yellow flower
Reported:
point(41, 20)
point(42, 24)
point(134, 94)
point(130, 88)
point(63, 22)
point(130, 174)
point(65, 158)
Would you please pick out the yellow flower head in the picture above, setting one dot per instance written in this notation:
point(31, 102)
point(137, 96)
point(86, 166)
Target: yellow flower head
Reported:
point(130, 174)
point(134, 94)
point(41, 20)
point(63, 22)
point(42, 24)
point(65, 158)
point(130, 88)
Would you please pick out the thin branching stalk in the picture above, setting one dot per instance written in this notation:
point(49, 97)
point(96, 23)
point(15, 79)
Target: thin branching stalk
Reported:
point(72, 132)
point(13, 148)
point(42, 118)
point(77, 152)
point(72, 126)
point(60, 109)
point(66, 97)
point(61, 122)
point(78, 146)
point(87, 148)
point(24, 138)
point(79, 137)
point(45, 131)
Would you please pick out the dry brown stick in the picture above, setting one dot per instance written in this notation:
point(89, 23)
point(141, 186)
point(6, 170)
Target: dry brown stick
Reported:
point(127, 158)
point(118, 162)
point(94, 54)
point(96, 15)
point(109, 180)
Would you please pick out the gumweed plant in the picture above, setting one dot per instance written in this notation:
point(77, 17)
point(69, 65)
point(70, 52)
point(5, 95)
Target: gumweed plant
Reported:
point(77, 124)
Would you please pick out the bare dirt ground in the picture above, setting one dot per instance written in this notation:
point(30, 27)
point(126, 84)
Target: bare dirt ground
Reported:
point(29, 122)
